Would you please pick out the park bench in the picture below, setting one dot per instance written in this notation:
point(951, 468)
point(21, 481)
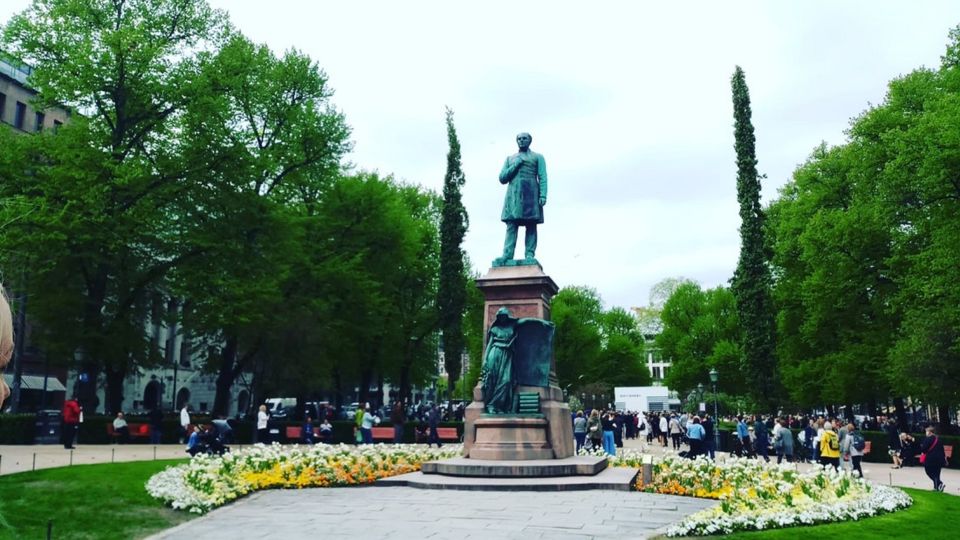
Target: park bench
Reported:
point(446, 434)
point(382, 433)
point(134, 431)
point(293, 434)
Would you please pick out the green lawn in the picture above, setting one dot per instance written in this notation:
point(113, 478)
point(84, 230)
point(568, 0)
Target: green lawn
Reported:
point(84, 502)
point(933, 516)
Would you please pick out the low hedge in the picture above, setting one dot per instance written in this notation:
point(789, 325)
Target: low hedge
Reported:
point(17, 428)
point(343, 430)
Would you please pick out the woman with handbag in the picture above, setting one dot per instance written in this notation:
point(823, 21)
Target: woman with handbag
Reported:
point(933, 458)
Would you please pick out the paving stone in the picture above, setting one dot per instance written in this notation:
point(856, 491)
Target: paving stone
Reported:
point(402, 512)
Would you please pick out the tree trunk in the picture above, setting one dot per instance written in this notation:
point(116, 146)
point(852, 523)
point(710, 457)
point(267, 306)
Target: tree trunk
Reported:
point(901, 415)
point(221, 402)
point(366, 376)
point(337, 390)
point(379, 396)
point(114, 391)
point(404, 395)
point(943, 415)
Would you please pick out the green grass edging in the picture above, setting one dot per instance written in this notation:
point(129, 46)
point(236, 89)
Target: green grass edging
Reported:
point(85, 502)
point(932, 516)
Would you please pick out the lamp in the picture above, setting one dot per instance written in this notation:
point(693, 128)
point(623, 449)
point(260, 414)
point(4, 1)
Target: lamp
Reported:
point(714, 377)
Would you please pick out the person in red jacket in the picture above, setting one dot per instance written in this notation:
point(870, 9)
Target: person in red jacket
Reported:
point(71, 422)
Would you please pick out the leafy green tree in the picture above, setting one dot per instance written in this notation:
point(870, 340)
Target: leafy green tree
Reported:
point(272, 142)
point(474, 334)
point(453, 225)
point(751, 280)
point(700, 332)
point(104, 195)
point(576, 312)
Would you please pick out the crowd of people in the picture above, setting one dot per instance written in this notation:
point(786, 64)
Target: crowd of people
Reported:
point(828, 441)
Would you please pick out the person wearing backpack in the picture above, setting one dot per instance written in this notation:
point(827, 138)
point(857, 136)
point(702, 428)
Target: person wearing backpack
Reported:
point(855, 443)
point(829, 447)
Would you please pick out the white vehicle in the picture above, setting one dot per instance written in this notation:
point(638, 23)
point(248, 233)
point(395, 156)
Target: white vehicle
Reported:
point(281, 407)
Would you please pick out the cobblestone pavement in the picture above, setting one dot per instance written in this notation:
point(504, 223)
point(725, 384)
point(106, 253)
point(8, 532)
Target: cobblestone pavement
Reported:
point(401, 512)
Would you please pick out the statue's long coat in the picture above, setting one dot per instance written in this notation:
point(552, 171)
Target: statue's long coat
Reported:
point(525, 187)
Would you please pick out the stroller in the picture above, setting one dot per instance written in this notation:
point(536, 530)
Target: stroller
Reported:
point(210, 442)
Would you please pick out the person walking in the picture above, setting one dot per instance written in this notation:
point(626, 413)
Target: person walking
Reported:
point(675, 432)
point(695, 435)
point(397, 418)
point(710, 441)
point(782, 441)
point(434, 424)
point(609, 423)
point(854, 445)
point(893, 443)
point(762, 442)
point(933, 457)
point(743, 435)
point(829, 447)
point(594, 431)
point(156, 425)
point(366, 426)
point(580, 430)
point(664, 427)
point(71, 422)
point(263, 418)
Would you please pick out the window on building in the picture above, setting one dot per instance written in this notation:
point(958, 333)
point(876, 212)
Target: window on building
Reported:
point(655, 372)
point(40, 117)
point(18, 116)
point(665, 372)
point(3, 105)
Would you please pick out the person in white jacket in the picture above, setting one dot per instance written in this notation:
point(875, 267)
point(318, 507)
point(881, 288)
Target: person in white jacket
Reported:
point(184, 422)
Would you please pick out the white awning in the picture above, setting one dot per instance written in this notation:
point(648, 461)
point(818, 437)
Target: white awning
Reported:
point(35, 382)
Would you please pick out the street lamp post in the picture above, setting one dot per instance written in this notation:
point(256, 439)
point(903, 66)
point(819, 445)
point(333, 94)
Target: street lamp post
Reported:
point(714, 376)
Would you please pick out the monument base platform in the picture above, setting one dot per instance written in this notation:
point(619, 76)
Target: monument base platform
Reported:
point(511, 438)
point(539, 468)
point(612, 478)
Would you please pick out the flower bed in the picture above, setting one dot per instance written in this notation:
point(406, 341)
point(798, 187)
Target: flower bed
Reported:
point(207, 482)
point(755, 496)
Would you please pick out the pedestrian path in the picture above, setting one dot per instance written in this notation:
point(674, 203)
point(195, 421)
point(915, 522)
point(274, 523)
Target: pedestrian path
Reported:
point(878, 473)
point(17, 458)
point(401, 512)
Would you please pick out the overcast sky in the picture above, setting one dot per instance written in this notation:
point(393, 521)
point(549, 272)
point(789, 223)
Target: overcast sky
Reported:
point(629, 102)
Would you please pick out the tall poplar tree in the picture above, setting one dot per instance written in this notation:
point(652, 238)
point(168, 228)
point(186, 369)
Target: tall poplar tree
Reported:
point(751, 280)
point(452, 294)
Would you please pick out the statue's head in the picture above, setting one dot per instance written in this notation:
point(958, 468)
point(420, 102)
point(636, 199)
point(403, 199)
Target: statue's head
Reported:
point(503, 313)
point(523, 140)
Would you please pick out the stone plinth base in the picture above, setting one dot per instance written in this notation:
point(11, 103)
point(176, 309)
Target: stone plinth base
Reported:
point(510, 438)
point(611, 478)
point(541, 468)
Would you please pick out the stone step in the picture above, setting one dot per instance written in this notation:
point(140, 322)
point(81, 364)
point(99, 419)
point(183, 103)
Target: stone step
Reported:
point(612, 478)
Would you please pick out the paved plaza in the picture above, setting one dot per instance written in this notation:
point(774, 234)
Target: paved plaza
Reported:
point(402, 512)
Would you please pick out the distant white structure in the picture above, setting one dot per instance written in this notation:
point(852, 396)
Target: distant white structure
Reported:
point(645, 398)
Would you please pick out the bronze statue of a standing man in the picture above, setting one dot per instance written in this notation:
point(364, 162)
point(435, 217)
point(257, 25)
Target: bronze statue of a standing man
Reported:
point(525, 174)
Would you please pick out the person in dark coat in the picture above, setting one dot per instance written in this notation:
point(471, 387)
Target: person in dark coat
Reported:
point(156, 425)
point(434, 424)
point(935, 458)
point(762, 444)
